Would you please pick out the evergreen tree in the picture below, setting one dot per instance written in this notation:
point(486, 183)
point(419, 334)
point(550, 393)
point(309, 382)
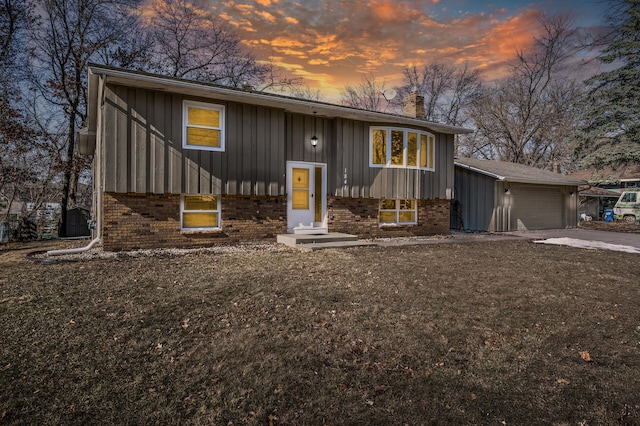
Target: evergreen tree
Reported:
point(610, 125)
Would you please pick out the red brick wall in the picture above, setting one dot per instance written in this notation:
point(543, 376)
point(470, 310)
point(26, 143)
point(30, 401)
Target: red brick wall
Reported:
point(359, 216)
point(134, 221)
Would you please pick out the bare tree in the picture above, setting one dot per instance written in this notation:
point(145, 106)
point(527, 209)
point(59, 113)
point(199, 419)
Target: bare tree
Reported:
point(70, 34)
point(368, 94)
point(446, 89)
point(527, 118)
point(18, 138)
point(189, 41)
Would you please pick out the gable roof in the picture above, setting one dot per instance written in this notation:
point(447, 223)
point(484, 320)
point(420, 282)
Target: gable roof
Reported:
point(139, 79)
point(516, 173)
point(594, 191)
point(609, 175)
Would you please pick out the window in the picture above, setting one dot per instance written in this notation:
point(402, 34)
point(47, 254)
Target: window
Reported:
point(629, 197)
point(398, 212)
point(393, 147)
point(203, 126)
point(200, 212)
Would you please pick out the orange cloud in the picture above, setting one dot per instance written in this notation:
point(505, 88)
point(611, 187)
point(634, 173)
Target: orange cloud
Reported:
point(267, 16)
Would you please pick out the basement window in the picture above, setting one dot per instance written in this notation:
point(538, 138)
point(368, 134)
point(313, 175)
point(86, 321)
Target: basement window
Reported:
point(199, 212)
point(203, 126)
point(398, 212)
point(404, 148)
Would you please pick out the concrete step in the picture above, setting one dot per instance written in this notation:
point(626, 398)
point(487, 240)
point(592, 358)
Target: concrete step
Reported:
point(297, 240)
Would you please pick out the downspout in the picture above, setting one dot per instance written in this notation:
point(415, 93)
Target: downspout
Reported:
point(75, 250)
point(97, 225)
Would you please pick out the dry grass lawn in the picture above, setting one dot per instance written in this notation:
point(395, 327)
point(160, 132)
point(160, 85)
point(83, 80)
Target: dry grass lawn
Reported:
point(505, 332)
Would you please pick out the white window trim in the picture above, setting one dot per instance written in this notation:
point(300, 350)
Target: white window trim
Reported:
point(203, 105)
point(205, 228)
point(397, 212)
point(405, 132)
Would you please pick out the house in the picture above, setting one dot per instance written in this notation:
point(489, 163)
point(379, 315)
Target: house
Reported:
point(593, 201)
point(497, 196)
point(177, 163)
point(617, 179)
point(604, 187)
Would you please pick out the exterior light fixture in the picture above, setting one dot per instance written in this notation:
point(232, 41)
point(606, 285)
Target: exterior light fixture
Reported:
point(314, 138)
point(507, 191)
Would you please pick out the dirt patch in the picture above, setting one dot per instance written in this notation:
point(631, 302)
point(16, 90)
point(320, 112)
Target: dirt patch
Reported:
point(505, 332)
point(611, 226)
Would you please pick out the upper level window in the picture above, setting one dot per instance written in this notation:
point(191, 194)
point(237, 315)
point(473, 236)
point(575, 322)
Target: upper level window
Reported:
point(203, 126)
point(395, 147)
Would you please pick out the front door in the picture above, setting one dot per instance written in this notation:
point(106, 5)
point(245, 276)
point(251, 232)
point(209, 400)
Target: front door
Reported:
point(306, 198)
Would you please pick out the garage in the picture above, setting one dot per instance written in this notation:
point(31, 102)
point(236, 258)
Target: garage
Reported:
point(535, 207)
point(497, 196)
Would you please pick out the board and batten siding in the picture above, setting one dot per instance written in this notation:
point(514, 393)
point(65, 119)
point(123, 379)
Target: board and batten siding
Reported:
point(349, 162)
point(476, 194)
point(143, 152)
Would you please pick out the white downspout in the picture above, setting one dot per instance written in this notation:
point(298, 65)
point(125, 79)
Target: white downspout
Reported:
point(75, 250)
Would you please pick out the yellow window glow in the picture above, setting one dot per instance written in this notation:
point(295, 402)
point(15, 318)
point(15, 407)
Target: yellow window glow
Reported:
point(407, 216)
point(424, 150)
point(387, 204)
point(300, 199)
point(203, 137)
point(203, 117)
point(199, 219)
point(397, 147)
point(407, 204)
point(300, 178)
point(412, 149)
point(200, 202)
point(387, 217)
point(379, 147)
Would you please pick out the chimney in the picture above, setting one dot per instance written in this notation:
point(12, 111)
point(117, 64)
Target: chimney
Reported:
point(413, 105)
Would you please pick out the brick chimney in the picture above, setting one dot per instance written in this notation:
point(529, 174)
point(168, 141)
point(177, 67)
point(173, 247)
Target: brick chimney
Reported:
point(413, 105)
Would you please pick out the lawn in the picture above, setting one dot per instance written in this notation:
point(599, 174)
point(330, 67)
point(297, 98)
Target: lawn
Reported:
point(502, 332)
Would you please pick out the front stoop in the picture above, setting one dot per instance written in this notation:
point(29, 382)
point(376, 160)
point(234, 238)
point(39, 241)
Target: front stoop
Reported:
point(321, 241)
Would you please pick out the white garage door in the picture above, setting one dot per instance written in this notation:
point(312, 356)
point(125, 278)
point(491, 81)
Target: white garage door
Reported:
point(536, 207)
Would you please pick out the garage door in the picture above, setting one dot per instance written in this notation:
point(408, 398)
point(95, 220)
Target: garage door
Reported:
point(536, 207)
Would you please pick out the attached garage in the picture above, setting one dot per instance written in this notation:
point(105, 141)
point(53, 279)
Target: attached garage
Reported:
point(537, 207)
point(495, 196)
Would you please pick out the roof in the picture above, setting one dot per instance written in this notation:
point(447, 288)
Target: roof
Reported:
point(517, 173)
point(609, 175)
point(157, 82)
point(594, 191)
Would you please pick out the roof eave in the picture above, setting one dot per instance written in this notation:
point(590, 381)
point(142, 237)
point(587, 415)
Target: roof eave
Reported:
point(303, 106)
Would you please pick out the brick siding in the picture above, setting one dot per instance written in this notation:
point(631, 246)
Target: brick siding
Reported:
point(359, 216)
point(133, 221)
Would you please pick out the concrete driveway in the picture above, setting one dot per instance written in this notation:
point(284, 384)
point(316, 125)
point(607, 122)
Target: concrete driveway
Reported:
point(587, 238)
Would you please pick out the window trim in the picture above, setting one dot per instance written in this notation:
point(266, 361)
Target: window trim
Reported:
point(218, 211)
point(430, 158)
point(185, 125)
point(397, 211)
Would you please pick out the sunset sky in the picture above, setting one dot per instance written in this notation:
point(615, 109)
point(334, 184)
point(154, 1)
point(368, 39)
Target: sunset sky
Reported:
point(332, 43)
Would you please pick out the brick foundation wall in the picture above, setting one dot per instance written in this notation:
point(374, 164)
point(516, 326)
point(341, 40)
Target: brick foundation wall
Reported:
point(133, 221)
point(359, 216)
